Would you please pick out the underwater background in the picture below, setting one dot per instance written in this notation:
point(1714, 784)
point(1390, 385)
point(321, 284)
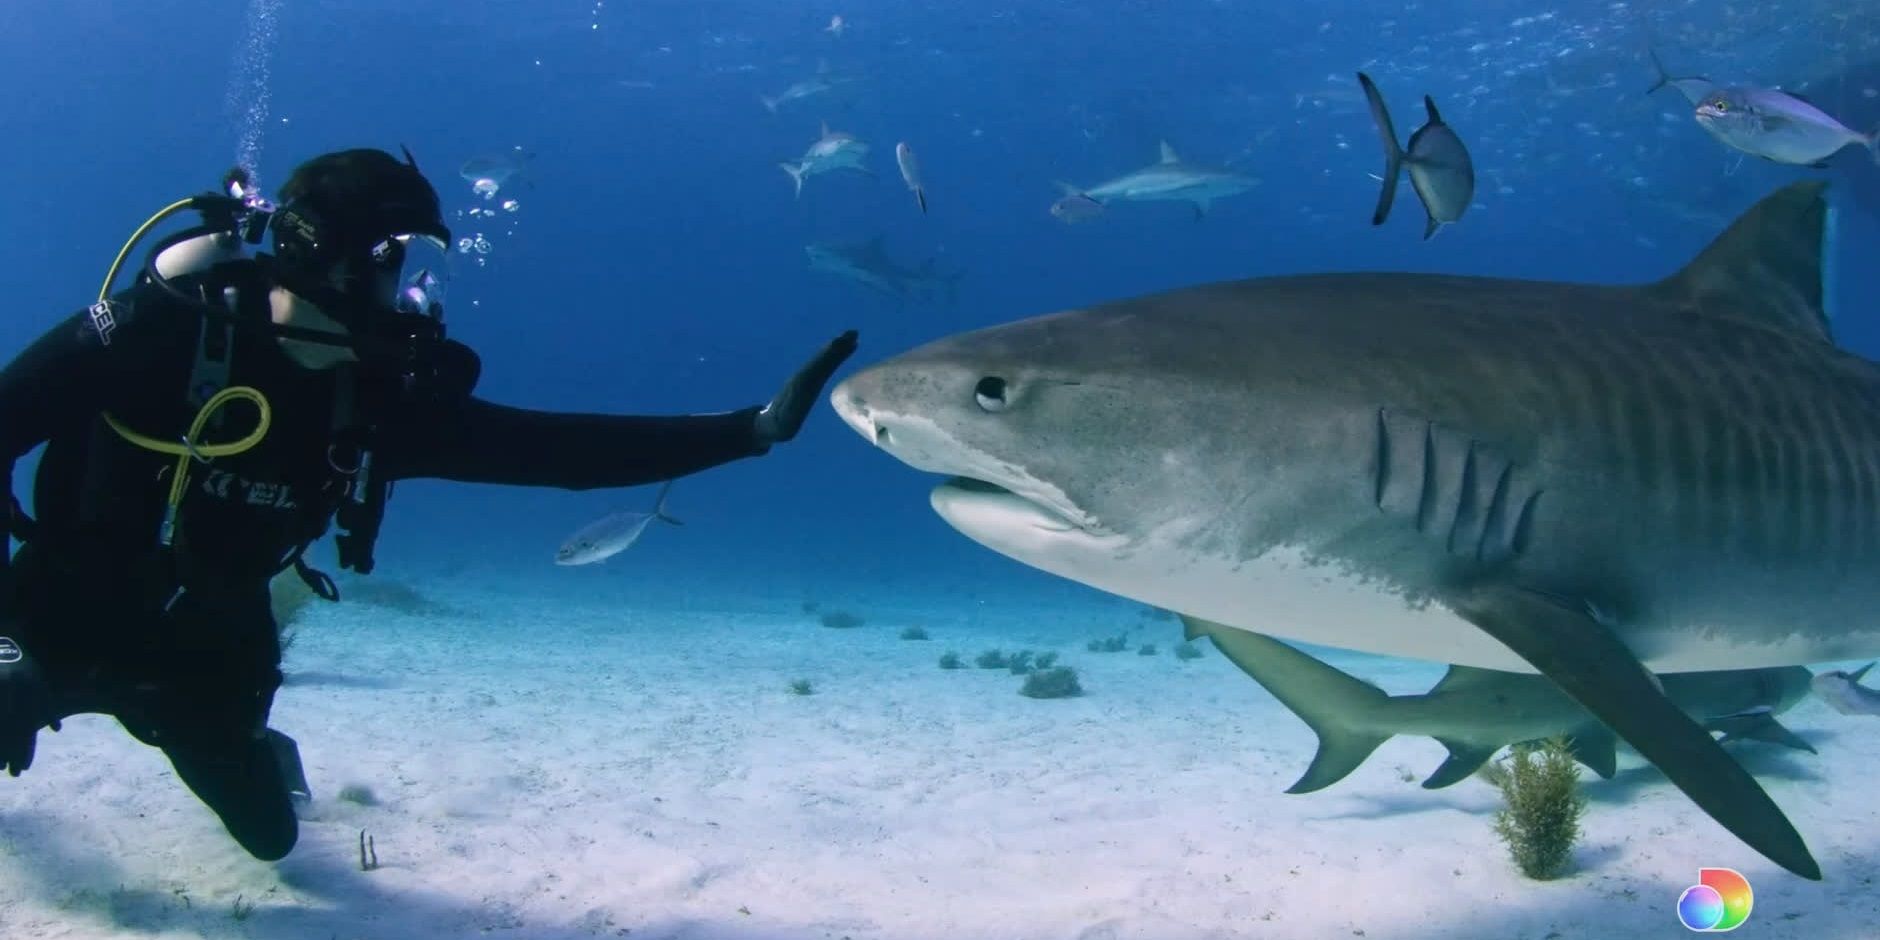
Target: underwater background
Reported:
point(653, 261)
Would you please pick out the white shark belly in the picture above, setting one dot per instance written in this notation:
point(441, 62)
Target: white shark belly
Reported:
point(1283, 594)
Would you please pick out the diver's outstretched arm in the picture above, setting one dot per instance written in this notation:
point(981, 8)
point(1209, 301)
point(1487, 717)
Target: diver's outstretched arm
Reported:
point(477, 441)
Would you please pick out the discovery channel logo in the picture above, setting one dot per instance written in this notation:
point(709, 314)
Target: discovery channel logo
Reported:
point(1718, 902)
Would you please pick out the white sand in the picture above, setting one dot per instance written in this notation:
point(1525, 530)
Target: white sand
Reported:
point(604, 772)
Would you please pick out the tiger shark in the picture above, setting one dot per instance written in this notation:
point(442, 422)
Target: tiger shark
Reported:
point(1587, 481)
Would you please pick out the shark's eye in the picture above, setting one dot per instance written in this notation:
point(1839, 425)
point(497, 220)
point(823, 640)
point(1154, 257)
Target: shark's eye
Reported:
point(990, 393)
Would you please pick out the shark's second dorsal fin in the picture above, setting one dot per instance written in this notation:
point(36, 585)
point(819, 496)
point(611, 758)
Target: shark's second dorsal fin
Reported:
point(1766, 267)
point(1462, 677)
point(1168, 154)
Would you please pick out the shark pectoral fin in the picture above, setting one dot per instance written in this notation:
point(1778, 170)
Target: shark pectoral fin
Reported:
point(1430, 225)
point(1597, 748)
point(1330, 702)
point(1464, 759)
point(1594, 668)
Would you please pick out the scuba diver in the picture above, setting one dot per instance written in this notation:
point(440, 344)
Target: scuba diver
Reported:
point(209, 422)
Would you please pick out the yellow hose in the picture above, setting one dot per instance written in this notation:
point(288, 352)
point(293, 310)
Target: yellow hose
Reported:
point(192, 446)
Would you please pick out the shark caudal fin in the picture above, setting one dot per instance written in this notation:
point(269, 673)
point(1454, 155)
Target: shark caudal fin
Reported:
point(1331, 703)
point(796, 175)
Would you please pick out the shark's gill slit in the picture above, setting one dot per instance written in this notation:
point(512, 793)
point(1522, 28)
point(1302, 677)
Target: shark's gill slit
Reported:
point(1467, 513)
point(1524, 525)
point(1383, 457)
point(1426, 505)
point(1495, 539)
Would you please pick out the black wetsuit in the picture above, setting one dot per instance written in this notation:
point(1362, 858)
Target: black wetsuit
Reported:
point(180, 645)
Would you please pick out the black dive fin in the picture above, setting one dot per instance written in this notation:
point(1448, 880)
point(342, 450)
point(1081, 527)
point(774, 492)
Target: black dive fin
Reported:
point(1464, 759)
point(1592, 666)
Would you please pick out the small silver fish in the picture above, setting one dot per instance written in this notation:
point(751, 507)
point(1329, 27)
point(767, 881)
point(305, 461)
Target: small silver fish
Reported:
point(1439, 165)
point(910, 173)
point(612, 534)
point(1844, 693)
point(1778, 126)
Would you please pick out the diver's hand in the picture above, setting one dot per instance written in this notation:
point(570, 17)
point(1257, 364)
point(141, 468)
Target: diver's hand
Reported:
point(783, 417)
point(25, 707)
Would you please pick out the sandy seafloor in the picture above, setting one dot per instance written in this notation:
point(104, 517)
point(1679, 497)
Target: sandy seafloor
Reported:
point(556, 768)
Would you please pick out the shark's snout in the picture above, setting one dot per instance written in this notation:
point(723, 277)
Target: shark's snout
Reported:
point(847, 400)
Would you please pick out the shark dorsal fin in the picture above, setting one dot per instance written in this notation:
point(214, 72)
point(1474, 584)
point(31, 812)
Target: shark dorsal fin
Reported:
point(1168, 154)
point(1858, 674)
point(1429, 105)
point(1463, 677)
point(1766, 267)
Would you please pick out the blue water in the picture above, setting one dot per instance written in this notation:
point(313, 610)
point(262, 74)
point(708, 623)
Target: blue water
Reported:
point(655, 261)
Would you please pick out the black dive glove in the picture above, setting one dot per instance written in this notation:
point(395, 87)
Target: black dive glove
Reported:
point(783, 417)
point(25, 707)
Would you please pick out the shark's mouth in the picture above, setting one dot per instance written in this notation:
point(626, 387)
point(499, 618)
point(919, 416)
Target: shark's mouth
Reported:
point(974, 505)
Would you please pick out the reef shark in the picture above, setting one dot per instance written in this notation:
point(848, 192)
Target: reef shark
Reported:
point(1168, 180)
point(1475, 712)
point(1592, 482)
point(868, 264)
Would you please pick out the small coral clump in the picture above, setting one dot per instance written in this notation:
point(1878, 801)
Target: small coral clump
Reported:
point(1056, 682)
point(1148, 649)
point(1020, 663)
point(914, 633)
point(841, 620)
point(1044, 661)
point(1113, 644)
point(358, 793)
point(801, 687)
point(1186, 651)
point(950, 660)
point(1541, 818)
point(992, 659)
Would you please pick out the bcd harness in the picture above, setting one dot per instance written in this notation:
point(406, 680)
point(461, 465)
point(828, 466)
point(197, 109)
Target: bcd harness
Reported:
point(357, 508)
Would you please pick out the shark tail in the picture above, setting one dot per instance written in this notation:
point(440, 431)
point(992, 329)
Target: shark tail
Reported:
point(659, 506)
point(1327, 700)
point(920, 196)
point(1393, 154)
point(796, 175)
